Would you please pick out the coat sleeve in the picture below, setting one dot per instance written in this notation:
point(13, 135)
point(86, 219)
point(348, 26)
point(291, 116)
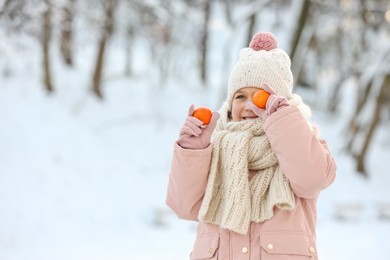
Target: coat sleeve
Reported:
point(188, 180)
point(304, 158)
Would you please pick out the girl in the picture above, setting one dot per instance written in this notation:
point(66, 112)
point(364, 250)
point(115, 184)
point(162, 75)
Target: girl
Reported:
point(254, 189)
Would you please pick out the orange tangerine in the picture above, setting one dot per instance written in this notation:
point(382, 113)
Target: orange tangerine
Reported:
point(260, 98)
point(203, 114)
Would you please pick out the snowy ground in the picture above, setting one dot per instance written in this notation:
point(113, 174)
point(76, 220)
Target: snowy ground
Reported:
point(86, 179)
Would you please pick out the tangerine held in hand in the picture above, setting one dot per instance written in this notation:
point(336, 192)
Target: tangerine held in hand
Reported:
point(203, 114)
point(260, 98)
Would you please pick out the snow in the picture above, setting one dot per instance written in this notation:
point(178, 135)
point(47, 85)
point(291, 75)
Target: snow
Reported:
point(90, 183)
point(82, 178)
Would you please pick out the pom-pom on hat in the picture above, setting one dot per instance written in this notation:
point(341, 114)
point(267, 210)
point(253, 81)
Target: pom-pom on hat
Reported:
point(262, 63)
point(263, 41)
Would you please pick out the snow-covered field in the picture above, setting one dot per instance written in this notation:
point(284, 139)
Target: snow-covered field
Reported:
point(84, 179)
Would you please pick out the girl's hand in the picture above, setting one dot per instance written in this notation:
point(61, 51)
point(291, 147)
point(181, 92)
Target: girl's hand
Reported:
point(274, 103)
point(193, 134)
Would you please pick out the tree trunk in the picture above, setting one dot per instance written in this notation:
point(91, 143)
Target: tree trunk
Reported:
point(307, 38)
point(67, 32)
point(99, 68)
point(251, 28)
point(47, 27)
point(358, 73)
point(106, 33)
point(343, 74)
point(203, 42)
point(363, 11)
point(4, 6)
point(382, 97)
point(301, 24)
point(354, 126)
point(228, 12)
point(129, 48)
point(334, 100)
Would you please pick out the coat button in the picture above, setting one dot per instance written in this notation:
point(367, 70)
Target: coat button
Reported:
point(211, 250)
point(312, 249)
point(270, 246)
point(244, 250)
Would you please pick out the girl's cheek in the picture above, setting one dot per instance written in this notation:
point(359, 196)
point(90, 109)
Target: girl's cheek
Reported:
point(236, 111)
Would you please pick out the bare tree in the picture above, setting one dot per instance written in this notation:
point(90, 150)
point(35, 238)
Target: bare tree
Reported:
point(158, 22)
point(13, 11)
point(4, 6)
point(66, 40)
point(129, 48)
point(382, 99)
point(106, 32)
point(370, 76)
point(46, 39)
point(203, 41)
point(304, 14)
point(251, 28)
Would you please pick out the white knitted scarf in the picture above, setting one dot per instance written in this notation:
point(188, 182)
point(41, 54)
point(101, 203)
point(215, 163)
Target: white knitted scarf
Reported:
point(231, 200)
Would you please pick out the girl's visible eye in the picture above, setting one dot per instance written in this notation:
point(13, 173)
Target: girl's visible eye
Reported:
point(240, 97)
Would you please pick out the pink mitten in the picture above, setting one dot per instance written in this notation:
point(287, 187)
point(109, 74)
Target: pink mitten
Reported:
point(258, 111)
point(193, 135)
point(274, 103)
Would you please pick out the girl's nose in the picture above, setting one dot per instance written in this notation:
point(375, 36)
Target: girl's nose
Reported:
point(246, 104)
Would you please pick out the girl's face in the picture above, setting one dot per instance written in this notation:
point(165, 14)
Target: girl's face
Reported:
point(240, 99)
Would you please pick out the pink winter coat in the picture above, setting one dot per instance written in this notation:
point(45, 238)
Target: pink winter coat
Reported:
point(306, 162)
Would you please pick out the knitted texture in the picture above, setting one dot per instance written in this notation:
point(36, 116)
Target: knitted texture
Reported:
point(262, 63)
point(263, 41)
point(231, 200)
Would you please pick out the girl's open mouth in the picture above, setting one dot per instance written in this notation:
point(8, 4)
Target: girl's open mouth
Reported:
point(249, 117)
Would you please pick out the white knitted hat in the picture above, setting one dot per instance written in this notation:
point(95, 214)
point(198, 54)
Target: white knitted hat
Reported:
point(262, 63)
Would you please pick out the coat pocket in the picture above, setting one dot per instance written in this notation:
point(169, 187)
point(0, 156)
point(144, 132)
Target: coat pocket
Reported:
point(206, 247)
point(287, 245)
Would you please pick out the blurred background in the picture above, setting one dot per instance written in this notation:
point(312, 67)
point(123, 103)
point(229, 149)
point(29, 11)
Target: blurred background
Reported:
point(93, 94)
